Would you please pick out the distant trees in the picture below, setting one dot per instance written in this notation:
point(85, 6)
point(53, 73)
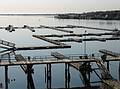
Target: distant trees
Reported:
point(102, 15)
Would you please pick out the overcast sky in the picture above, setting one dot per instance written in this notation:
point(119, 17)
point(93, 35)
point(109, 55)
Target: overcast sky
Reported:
point(56, 6)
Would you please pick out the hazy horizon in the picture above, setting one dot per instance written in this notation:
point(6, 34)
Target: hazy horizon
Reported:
point(57, 6)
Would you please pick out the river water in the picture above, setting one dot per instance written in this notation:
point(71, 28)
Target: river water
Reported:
point(23, 38)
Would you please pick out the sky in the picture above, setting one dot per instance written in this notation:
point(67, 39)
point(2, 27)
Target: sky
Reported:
point(57, 6)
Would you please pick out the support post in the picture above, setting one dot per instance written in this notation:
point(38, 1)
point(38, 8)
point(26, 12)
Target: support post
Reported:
point(49, 76)
point(6, 77)
point(108, 65)
point(67, 76)
point(30, 81)
point(119, 70)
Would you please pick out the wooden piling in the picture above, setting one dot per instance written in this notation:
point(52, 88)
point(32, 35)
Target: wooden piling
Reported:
point(6, 77)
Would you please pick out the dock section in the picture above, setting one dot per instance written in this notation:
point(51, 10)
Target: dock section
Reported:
point(104, 29)
point(30, 28)
point(58, 29)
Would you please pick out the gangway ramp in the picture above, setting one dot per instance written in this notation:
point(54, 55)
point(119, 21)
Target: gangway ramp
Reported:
point(104, 71)
point(20, 58)
point(110, 53)
point(59, 55)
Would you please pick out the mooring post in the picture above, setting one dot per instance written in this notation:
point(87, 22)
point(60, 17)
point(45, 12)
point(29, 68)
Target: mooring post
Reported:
point(45, 75)
point(67, 75)
point(49, 76)
point(28, 77)
point(30, 81)
point(9, 56)
point(108, 65)
point(6, 77)
point(119, 70)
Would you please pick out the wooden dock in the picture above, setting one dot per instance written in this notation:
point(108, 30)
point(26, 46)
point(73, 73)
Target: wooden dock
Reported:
point(81, 35)
point(43, 61)
point(104, 29)
point(30, 28)
point(53, 28)
point(48, 40)
point(6, 43)
point(87, 39)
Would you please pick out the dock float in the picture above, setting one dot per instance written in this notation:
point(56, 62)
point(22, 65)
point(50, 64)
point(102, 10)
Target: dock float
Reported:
point(10, 28)
point(6, 43)
point(87, 39)
point(30, 28)
point(53, 28)
point(104, 29)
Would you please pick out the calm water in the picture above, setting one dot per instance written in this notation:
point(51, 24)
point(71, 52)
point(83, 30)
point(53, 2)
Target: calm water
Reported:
point(23, 37)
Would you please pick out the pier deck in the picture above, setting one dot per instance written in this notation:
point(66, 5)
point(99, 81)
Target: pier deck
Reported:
point(44, 61)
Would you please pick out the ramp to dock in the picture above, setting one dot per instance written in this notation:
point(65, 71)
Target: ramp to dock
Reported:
point(110, 53)
point(19, 57)
point(58, 55)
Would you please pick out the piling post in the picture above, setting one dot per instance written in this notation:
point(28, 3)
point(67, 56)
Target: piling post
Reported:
point(49, 76)
point(30, 81)
point(6, 77)
point(119, 70)
point(108, 65)
point(67, 76)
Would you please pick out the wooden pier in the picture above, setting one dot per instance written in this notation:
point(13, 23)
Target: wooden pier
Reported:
point(80, 63)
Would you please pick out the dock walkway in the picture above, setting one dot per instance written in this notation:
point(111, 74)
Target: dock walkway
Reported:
point(110, 53)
